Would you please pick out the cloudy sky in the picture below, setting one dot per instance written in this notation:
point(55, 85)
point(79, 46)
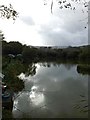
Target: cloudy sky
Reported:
point(37, 26)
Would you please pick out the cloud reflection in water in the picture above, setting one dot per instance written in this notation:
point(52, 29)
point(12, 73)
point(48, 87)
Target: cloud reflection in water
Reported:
point(37, 98)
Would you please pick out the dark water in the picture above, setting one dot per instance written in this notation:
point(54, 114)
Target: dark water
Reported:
point(54, 91)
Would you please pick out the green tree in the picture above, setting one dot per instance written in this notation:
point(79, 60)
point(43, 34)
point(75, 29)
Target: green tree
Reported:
point(29, 54)
point(11, 48)
point(85, 53)
point(16, 47)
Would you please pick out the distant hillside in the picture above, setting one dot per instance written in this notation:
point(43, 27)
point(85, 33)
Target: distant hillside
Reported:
point(53, 47)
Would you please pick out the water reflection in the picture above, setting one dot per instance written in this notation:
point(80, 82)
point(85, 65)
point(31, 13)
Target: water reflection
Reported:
point(52, 92)
point(68, 66)
point(15, 104)
point(37, 98)
point(31, 70)
point(27, 101)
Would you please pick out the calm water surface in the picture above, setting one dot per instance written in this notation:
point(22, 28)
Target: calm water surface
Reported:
point(54, 91)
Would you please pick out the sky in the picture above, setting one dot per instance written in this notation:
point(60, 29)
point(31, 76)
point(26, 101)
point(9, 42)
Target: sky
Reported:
point(37, 26)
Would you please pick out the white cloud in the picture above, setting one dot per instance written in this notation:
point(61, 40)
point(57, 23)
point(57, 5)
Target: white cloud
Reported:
point(37, 26)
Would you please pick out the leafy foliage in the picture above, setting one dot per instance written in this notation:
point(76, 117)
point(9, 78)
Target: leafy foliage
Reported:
point(11, 48)
point(8, 12)
point(68, 4)
point(11, 71)
point(1, 36)
point(29, 54)
point(85, 53)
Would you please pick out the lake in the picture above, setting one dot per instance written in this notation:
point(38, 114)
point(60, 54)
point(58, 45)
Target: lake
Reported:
point(52, 91)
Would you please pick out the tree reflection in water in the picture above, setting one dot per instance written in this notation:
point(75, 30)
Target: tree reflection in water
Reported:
point(31, 70)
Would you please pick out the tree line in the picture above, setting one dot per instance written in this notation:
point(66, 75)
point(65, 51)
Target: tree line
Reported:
point(30, 53)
